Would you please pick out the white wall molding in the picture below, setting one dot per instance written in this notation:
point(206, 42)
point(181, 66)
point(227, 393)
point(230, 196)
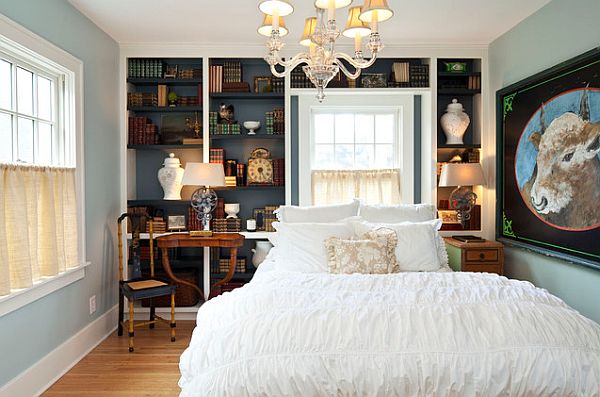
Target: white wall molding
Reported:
point(41, 375)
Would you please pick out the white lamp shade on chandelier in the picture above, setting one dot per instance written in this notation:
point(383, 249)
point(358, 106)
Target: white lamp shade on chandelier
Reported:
point(203, 174)
point(322, 62)
point(461, 174)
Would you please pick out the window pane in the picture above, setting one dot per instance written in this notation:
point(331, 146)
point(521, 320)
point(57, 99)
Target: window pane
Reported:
point(5, 85)
point(344, 128)
point(44, 144)
point(365, 128)
point(344, 156)
point(384, 128)
point(323, 157)
point(384, 156)
point(24, 91)
point(5, 137)
point(323, 128)
point(44, 98)
point(363, 156)
point(25, 140)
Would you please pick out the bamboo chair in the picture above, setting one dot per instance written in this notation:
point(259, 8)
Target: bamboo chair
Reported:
point(139, 287)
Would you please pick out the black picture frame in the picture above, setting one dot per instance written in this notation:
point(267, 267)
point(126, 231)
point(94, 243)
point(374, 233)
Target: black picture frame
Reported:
point(517, 222)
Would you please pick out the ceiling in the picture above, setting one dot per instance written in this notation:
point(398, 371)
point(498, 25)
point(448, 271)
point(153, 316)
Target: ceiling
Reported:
point(416, 22)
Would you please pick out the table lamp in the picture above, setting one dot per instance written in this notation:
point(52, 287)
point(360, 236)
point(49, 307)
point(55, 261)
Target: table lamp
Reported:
point(204, 199)
point(462, 199)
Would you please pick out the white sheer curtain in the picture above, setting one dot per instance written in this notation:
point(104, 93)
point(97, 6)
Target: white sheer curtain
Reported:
point(38, 224)
point(372, 186)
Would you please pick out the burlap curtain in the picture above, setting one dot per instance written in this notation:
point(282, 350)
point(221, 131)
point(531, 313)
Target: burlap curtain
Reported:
point(38, 224)
point(372, 186)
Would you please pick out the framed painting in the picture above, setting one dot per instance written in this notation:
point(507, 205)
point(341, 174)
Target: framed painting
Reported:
point(548, 161)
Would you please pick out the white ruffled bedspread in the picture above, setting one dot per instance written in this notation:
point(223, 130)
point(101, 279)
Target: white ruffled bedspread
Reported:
point(406, 334)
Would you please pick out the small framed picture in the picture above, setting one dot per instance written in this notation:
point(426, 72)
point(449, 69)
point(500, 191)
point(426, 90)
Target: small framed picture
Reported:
point(176, 222)
point(262, 84)
point(448, 216)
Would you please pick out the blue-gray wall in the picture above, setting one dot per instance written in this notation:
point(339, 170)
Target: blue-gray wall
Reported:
point(557, 32)
point(28, 334)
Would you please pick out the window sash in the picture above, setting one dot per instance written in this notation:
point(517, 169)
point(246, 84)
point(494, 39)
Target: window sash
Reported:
point(394, 145)
point(58, 149)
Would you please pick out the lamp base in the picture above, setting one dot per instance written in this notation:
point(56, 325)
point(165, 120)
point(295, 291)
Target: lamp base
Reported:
point(201, 233)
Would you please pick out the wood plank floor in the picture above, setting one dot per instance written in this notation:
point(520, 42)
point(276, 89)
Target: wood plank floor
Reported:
point(110, 370)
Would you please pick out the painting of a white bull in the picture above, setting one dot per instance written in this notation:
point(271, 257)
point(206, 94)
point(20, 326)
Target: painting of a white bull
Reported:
point(557, 163)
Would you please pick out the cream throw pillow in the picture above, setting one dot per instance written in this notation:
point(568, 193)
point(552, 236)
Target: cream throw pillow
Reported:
point(373, 253)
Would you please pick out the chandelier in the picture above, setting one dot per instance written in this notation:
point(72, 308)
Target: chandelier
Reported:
point(322, 62)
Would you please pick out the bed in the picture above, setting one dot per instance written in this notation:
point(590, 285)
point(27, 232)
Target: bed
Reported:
point(436, 333)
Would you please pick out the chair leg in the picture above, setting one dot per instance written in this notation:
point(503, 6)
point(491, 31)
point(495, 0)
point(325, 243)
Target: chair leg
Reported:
point(152, 313)
point(121, 310)
point(130, 323)
point(172, 316)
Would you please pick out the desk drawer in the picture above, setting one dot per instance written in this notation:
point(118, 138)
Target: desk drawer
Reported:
point(481, 255)
point(487, 268)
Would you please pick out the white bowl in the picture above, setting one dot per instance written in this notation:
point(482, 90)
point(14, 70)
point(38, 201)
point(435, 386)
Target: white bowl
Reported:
point(251, 126)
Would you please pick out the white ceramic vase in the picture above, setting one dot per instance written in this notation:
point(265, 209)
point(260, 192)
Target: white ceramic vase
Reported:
point(454, 123)
point(232, 210)
point(260, 252)
point(170, 176)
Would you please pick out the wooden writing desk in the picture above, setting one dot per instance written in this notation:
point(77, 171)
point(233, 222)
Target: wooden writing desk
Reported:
point(217, 240)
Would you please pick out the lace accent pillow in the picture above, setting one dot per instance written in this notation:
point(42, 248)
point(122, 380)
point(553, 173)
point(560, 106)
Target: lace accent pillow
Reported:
point(373, 253)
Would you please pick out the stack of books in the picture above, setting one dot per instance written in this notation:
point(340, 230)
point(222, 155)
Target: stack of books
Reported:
point(191, 100)
point(219, 211)
point(215, 74)
point(231, 173)
point(227, 129)
point(275, 121)
point(231, 181)
point(269, 218)
point(236, 87)
point(278, 84)
point(142, 99)
point(278, 172)
point(241, 174)
point(226, 225)
point(216, 155)
point(163, 95)
point(212, 122)
point(232, 72)
point(189, 73)
point(419, 75)
point(298, 78)
point(193, 222)
point(474, 83)
point(158, 226)
point(145, 68)
point(142, 131)
point(240, 265)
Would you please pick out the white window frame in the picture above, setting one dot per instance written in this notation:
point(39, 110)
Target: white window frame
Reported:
point(367, 110)
point(402, 103)
point(32, 49)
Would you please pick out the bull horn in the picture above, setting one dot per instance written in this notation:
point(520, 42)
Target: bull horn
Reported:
point(584, 105)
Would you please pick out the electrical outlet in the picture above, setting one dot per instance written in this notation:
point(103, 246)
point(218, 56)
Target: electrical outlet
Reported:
point(92, 304)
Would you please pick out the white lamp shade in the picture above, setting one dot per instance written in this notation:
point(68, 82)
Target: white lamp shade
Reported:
point(354, 25)
point(461, 174)
point(309, 28)
point(270, 7)
point(324, 4)
point(203, 174)
point(383, 11)
point(267, 26)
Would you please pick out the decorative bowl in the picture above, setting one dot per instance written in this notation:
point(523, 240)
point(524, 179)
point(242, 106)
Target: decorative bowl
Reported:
point(232, 210)
point(252, 126)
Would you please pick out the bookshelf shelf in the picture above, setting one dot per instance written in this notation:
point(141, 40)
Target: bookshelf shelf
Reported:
point(150, 81)
point(457, 91)
point(246, 136)
point(458, 74)
point(164, 147)
point(464, 146)
point(247, 95)
point(165, 109)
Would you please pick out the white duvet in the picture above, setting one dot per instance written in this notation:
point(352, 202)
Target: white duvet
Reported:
point(405, 334)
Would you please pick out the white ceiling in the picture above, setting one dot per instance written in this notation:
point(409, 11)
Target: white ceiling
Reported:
point(426, 22)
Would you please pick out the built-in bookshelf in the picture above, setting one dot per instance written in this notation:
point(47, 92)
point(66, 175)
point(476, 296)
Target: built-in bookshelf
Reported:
point(459, 79)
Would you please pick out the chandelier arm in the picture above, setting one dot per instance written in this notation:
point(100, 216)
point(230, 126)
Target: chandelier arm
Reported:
point(293, 62)
point(357, 64)
point(349, 74)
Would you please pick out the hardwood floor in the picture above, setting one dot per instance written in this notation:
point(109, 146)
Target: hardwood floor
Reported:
point(110, 370)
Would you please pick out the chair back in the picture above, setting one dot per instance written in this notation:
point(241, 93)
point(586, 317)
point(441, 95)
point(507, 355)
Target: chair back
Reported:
point(136, 222)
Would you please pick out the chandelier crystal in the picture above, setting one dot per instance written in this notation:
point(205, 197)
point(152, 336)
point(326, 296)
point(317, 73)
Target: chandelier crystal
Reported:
point(320, 35)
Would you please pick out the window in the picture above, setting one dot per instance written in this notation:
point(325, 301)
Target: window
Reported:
point(41, 167)
point(30, 113)
point(354, 141)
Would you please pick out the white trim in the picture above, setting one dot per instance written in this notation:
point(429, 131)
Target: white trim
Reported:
point(25, 296)
point(34, 46)
point(44, 373)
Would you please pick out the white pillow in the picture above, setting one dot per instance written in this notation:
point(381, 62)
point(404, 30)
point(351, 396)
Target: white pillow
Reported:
point(301, 246)
point(420, 247)
point(317, 213)
point(398, 213)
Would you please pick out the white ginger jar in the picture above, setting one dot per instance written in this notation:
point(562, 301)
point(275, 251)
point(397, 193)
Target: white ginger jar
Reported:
point(260, 252)
point(170, 176)
point(454, 123)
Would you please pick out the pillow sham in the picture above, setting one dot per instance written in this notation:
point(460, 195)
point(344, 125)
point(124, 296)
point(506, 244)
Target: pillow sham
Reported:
point(397, 213)
point(420, 246)
point(300, 246)
point(317, 213)
point(374, 253)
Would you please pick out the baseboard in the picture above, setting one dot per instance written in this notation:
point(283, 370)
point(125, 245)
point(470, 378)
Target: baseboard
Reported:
point(41, 375)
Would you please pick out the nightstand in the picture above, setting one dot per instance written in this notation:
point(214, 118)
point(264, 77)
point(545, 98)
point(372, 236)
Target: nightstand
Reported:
point(486, 256)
